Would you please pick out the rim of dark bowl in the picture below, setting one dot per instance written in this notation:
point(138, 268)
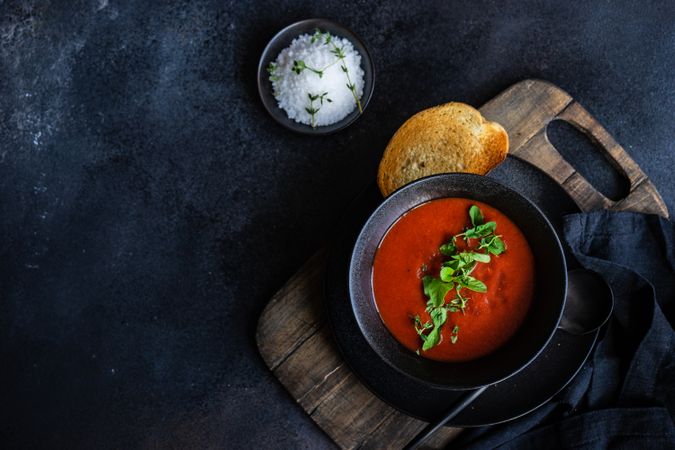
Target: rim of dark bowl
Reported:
point(427, 375)
point(281, 40)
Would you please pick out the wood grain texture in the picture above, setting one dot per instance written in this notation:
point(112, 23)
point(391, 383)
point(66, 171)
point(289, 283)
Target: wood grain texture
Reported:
point(525, 110)
point(293, 336)
point(295, 342)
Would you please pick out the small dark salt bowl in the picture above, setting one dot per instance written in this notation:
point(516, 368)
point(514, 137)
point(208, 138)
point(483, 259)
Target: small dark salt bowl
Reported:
point(282, 40)
point(541, 321)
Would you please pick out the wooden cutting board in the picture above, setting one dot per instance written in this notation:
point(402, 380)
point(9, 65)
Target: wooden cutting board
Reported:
point(293, 335)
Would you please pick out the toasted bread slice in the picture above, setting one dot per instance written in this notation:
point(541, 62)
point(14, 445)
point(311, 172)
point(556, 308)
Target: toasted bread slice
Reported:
point(453, 137)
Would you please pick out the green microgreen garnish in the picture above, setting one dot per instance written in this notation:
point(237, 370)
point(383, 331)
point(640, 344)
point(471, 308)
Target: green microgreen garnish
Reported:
point(478, 231)
point(455, 273)
point(447, 249)
point(435, 290)
point(476, 215)
point(438, 317)
point(493, 244)
point(455, 334)
point(458, 303)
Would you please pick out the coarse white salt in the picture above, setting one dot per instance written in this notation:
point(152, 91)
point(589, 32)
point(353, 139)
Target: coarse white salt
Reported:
point(318, 79)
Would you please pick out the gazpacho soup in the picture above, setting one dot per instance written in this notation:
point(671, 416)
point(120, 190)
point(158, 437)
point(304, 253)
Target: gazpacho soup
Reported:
point(453, 279)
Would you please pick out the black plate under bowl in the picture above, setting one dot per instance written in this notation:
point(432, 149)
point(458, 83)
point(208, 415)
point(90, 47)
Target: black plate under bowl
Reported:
point(282, 40)
point(550, 282)
point(530, 388)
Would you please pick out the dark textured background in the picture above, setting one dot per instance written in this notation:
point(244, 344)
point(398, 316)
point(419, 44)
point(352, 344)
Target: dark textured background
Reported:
point(149, 206)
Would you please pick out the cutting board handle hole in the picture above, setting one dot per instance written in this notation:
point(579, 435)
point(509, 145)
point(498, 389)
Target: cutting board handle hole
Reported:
point(589, 158)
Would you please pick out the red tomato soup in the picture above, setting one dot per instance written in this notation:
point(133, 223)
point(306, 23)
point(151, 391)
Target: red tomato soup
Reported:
point(410, 250)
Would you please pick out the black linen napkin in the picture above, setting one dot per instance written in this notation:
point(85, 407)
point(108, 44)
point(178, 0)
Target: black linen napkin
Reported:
point(624, 395)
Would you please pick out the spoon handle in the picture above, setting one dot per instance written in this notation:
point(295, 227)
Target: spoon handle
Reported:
point(457, 407)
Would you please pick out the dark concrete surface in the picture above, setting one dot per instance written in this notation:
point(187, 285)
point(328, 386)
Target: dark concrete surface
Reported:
point(149, 207)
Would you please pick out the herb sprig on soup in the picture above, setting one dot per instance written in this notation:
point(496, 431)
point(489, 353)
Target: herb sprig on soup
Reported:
point(453, 279)
point(455, 274)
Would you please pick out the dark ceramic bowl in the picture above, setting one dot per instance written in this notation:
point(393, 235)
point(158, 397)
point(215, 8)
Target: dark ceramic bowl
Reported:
point(541, 321)
point(282, 40)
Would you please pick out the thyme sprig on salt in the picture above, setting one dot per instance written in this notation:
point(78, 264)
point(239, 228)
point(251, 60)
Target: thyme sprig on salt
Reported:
point(311, 110)
point(272, 69)
point(299, 66)
point(304, 70)
point(339, 52)
point(327, 39)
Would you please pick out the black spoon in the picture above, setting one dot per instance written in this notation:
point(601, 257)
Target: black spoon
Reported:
point(588, 305)
point(589, 302)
